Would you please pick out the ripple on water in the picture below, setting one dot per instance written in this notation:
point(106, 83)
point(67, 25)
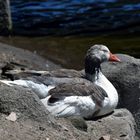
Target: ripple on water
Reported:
point(67, 17)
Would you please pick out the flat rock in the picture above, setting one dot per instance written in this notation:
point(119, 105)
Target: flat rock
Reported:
point(34, 122)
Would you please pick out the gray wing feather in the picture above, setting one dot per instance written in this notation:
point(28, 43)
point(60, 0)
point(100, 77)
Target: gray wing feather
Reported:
point(60, 92)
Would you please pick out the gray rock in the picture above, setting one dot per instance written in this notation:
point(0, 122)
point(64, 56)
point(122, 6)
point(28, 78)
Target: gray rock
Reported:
point(125, 76)
point(31, 60)
point(119, 125)
point(34, 121)
point(5, 18)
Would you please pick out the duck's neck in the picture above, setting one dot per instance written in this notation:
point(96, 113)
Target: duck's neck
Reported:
point(92, 67)
point(94, 76)
point(99, 79)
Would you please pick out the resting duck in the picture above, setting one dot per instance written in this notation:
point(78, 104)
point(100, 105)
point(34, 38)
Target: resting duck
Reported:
point(87, 99)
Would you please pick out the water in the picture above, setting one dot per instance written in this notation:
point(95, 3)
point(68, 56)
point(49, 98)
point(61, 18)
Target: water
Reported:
point(70, 51)
point(72, 26)
point(71, 17)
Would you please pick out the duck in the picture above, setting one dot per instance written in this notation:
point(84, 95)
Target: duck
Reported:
point(88, 96)
point(89, 99)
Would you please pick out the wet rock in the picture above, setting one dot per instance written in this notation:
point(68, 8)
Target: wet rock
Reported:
point(5, 18)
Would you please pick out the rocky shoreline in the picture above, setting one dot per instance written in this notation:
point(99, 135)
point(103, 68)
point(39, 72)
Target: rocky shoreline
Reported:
point(33, 122)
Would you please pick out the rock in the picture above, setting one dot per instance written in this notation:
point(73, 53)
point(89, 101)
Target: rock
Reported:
point(125, 76)
point(109, 126)
point(5, 18)
point(79, 123)
point(107, 137)
point(34, 121)
point(26, 58)
point(12, 117)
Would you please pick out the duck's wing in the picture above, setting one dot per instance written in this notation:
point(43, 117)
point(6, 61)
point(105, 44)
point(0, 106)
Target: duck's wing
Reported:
point(77, 99)
point(97, 93)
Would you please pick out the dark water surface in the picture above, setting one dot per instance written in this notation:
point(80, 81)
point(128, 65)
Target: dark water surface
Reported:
point(71, 17)
point(115, 23)
point(70, 51)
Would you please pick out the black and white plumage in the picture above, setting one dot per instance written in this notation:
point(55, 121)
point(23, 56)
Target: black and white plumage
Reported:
point(74, 95)
point(85, 99)
point(68, 100)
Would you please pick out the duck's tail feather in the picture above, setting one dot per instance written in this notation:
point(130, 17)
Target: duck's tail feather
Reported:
point(40, 89)
point(15, 82)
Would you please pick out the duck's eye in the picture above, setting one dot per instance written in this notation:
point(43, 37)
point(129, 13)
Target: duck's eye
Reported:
point(106, 51)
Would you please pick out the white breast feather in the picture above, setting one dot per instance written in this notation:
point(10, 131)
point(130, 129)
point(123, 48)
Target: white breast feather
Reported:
point(111, 101)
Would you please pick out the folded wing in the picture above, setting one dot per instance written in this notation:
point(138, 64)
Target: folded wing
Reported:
point(75, 100)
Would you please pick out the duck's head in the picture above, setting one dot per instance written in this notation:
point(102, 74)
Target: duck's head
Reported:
point(96, 55)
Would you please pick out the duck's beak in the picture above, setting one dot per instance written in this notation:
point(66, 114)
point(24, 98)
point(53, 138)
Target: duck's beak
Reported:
point(114, 58)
